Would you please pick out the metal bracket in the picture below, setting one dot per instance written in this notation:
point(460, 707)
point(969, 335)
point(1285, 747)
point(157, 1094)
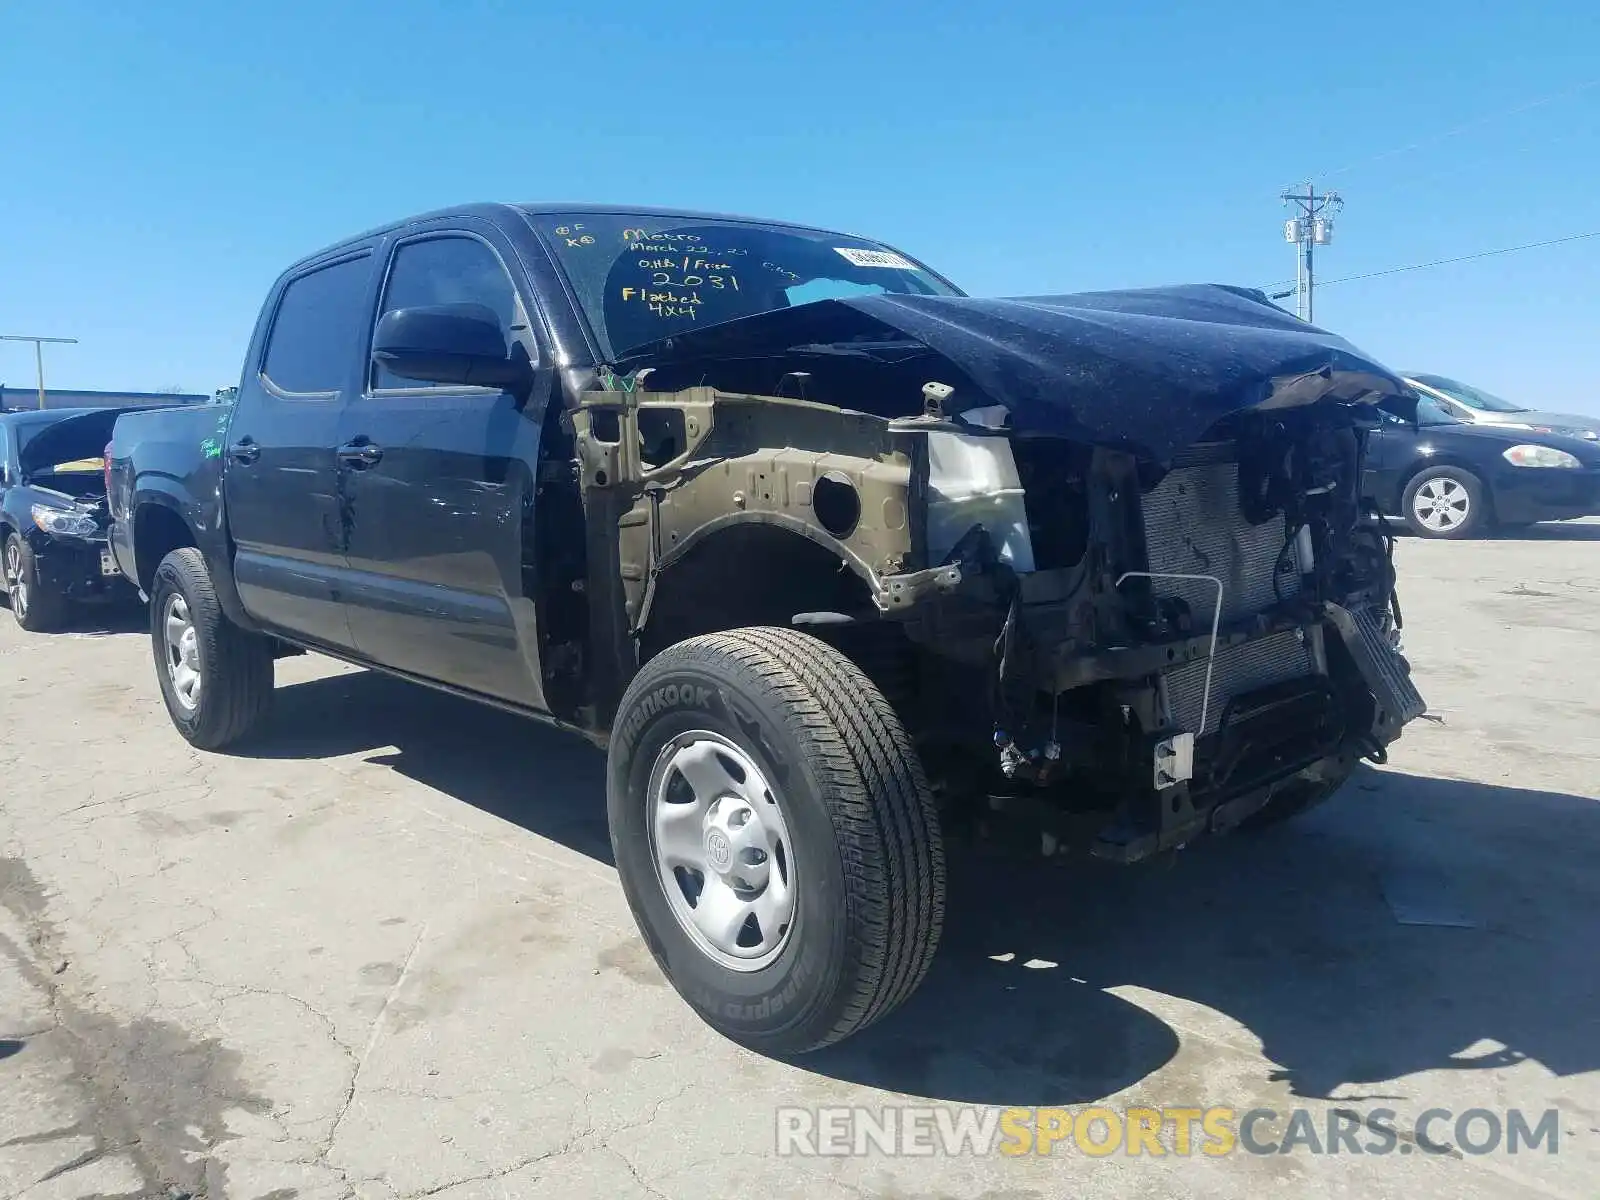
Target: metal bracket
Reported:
point(1216, 624)
point(902, 591)
point(1174, 756)
point(1174, 760)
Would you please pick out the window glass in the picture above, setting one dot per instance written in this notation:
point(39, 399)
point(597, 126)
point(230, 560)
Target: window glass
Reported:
point(640, 278)
point(1470, 396)
point(445, 270)
point(1431, 412)
point(318, 327)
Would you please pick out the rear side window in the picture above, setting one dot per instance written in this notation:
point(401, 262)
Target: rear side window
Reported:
point(318, 328)
point(445, 270)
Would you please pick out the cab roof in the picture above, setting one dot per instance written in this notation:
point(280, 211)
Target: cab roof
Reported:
point(542, 209)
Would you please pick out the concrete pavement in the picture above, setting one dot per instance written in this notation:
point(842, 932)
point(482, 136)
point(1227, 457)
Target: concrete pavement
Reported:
point(383, 953)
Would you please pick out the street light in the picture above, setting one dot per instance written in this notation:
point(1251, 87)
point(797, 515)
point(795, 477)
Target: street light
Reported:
point(38, 352)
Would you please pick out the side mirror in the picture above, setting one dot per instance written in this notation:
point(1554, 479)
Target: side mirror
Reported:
point(447, 343)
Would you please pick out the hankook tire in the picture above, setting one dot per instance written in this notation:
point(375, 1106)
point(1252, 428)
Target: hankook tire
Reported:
point(775, 837)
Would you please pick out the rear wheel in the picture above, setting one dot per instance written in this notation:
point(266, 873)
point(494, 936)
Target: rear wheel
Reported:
point(216, 678)
point(36, 608)
point(1446, 502)
point(775, 837)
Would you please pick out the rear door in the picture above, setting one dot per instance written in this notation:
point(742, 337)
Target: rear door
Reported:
point(281, 484)
point(441, 493)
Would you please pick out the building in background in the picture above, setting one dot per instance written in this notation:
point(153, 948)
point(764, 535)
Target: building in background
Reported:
point(17, 399)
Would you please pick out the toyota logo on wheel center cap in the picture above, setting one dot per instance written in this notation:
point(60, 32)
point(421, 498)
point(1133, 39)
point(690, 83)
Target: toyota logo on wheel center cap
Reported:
point(719, 851)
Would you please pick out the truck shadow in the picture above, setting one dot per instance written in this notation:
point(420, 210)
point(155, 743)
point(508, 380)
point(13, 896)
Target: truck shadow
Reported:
point(549, 782)
point(1410, 924)
point(100, 620)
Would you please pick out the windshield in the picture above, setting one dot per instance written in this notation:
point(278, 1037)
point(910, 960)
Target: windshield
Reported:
point(639, 279)
point(1470, 396)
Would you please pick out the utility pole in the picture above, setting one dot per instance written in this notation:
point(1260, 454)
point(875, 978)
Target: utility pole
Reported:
point(38, 352)
point(1312, 227)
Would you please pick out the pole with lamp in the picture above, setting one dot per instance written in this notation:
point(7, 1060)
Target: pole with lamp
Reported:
point(38, 352)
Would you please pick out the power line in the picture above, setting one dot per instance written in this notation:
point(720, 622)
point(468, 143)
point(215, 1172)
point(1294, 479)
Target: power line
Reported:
point(1440, 262)
point(1465, 126)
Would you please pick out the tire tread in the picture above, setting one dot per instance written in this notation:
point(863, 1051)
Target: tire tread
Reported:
point(885, 821)
point(239, 668)
point(47, 611)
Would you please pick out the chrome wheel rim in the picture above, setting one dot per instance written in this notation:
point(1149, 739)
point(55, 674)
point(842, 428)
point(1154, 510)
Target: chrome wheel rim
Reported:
point(182, 652)
point(16, 585)
point(1441, 504)
point(722, 850)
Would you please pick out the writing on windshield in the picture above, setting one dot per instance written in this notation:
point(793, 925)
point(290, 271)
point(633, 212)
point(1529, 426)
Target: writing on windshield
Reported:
point(640, 279)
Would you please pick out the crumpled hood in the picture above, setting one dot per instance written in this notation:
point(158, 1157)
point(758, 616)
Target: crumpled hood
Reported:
point(1147, 370)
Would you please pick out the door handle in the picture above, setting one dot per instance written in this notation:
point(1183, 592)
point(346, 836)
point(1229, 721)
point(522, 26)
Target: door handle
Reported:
point(358, 456)
point(244, 451)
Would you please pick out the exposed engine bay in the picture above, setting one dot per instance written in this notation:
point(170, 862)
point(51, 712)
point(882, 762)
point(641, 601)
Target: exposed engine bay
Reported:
point(1122, 642)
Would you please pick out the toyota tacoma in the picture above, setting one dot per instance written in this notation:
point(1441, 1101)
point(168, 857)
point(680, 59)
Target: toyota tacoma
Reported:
point(830, 557)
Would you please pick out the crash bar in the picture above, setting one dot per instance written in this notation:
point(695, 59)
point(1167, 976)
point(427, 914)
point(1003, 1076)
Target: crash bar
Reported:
point(1216, 625)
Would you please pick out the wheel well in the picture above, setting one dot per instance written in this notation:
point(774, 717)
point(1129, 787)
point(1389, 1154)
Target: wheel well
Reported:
point(157, 532)
point(745, 575)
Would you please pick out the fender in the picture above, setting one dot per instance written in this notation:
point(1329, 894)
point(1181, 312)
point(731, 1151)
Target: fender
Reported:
point(207, 527)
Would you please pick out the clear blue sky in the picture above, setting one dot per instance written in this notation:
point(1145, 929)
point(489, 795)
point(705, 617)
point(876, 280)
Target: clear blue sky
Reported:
point(162, 161)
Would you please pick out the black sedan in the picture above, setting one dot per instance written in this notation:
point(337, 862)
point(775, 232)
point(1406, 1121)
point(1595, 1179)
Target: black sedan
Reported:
point(1449, 479)
point(53, 515)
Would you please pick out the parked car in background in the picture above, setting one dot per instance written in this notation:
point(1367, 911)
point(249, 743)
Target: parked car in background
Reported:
point(53, 514)
point(1456, 479)
point(1475, 406)
point(824, 552)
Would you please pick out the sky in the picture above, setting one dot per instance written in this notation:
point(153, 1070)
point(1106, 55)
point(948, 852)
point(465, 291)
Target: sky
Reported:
point(162, 162)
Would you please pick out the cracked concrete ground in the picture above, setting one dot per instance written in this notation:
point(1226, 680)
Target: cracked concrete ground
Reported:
point(382, 953)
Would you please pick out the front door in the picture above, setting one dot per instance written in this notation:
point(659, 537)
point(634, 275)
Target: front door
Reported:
point(281, 484)
point(439, 479)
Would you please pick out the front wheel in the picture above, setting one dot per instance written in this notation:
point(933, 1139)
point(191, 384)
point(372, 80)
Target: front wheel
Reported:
point(1446, 502)
point(36, 607)
point(775, 837)
point(216, 678)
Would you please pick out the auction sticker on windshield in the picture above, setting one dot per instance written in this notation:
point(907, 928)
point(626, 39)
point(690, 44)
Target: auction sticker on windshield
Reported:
point(874, 258)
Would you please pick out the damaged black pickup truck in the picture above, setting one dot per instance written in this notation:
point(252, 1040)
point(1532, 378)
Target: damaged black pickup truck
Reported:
point(829, 556)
